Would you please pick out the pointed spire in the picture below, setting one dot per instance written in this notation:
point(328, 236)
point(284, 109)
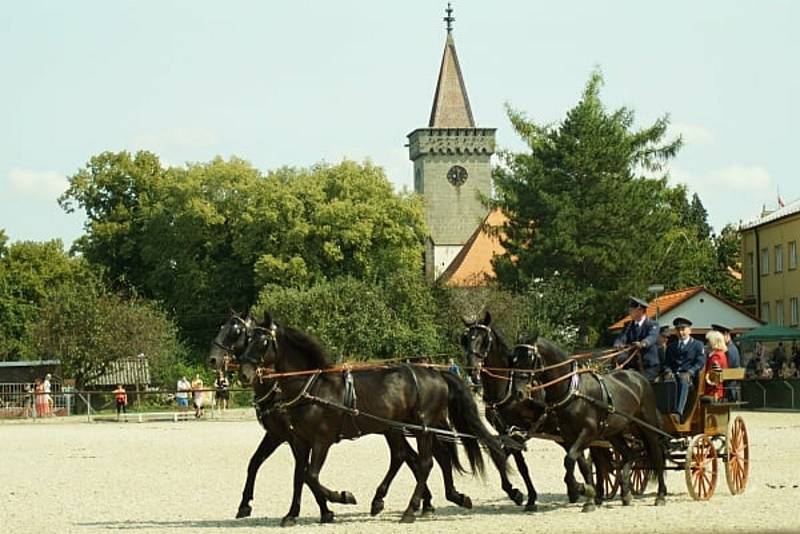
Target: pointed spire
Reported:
point(451, 107)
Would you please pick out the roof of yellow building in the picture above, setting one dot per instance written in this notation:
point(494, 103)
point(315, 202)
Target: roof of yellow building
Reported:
point(473, 264)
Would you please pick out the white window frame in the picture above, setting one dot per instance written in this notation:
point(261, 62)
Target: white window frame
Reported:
point(764, 261)
point(792, 255)
point(751, 266)
point(779, 313)
point(765, 312)
point(794, 313)
point(778, 258)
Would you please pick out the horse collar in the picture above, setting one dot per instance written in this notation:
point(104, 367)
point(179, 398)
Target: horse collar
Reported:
point(573, 389)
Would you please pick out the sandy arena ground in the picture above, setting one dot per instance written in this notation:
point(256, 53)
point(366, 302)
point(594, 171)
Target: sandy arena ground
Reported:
point(188, 476)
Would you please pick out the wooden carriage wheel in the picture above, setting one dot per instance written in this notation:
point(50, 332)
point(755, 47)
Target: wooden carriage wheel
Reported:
point(613, 476)
point(640, 476)
point(737, 450)
point(701, 468)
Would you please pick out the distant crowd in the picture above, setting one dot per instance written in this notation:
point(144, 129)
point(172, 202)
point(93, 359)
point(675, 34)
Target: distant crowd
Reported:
point(780, 363)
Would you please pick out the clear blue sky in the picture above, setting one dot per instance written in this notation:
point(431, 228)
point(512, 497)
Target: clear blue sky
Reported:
point(293, 83)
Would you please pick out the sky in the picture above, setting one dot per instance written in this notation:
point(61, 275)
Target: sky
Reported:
point(295, 83)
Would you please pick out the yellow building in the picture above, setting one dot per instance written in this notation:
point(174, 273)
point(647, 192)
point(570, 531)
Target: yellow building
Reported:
point(771, 281)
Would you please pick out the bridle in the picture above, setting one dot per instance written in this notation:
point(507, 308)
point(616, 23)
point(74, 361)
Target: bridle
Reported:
point(534, 382)
point(245, 332)
point(482, 355)
point(268, 337)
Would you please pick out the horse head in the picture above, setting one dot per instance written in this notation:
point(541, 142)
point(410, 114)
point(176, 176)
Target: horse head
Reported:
point(526, 357)
point(230, 341)
point(261, 351)
point(477, 343)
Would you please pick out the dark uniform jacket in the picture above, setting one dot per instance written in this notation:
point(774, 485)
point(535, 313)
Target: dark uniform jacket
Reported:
point(734, 360)
point(648, 333)
point(690, 358)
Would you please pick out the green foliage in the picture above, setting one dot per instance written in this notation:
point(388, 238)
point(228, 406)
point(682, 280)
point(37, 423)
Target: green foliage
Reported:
point(580, 208)
point(29, 273)
point(87, 328)
point(206, 237)
point(359, 320)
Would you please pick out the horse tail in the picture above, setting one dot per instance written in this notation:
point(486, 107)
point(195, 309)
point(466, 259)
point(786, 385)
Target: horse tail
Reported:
point(452, 451)
point(463, 412)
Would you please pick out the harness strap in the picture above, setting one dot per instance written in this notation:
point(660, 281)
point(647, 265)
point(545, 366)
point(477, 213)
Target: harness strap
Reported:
point(350, 401)
point(604, 406)
point(418, 404)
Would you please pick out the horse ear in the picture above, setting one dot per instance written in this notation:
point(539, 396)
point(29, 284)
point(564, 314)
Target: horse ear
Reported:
point(487, 319)
point(268, 319)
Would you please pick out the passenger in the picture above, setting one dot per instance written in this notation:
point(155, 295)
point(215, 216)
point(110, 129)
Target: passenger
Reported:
point(734, 388)
point(642, 333)
point(715, 363)
point(685, 359)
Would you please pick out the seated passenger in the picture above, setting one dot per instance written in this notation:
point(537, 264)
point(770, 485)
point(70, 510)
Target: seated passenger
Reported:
point(684, 360)
point(715, 363)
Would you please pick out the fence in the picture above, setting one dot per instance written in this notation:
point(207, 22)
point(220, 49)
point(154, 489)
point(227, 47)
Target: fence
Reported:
point(17, 401)
point(775, 393)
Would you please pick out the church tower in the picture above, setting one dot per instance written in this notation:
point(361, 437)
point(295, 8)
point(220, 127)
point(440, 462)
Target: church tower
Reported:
point(451, 164)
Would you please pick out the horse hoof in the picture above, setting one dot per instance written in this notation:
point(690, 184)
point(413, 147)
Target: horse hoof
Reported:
point(408, 517)
point(327, 517)
point(517, 496)
point(531, 507)
point(376, 508)
point(428, 511)
point(589, 507)
point(626, 500)
point(660, 501)
point(288, 521)
point(244, 511)
point(348, 498)
point(466, 502)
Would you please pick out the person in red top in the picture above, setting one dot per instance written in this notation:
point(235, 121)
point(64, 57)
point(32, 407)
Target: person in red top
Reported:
point(715, 362)
point(121, 400)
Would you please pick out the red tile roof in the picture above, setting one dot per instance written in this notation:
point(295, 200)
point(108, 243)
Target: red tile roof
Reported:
point(665, 303)
point(473, 264)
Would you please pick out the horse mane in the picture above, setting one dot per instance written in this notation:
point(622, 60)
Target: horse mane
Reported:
point(547, 346)
point(308, 345)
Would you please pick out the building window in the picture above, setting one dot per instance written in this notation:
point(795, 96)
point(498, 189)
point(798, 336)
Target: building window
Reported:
point(751, 269)
point(765, 312)
point(779, 312)
point(778, 258)
point(764, 261)
point(794, 311)
point(792, 254)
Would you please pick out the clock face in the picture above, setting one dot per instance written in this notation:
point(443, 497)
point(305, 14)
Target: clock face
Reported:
point(457, 175)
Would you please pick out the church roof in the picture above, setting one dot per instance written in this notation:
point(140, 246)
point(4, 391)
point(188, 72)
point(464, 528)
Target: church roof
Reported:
point(473, 264)
point(451, 107)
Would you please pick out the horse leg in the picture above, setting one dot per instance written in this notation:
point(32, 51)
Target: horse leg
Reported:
point(424, 464)
point(573, 488)
point(585, 467)
point(575, 451)
point(513, 493)
point(522, 467)
point(301, 452)
point(397, 455)
point(267, 446)
point(442, 455)
point(657, 453)
point(627, 463)
point(319, 453)
point(601, 459)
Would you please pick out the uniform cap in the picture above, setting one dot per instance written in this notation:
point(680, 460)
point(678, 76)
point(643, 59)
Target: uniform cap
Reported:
point(721, 328)
point(634, 302)
point(679, 322)
point(663, 330)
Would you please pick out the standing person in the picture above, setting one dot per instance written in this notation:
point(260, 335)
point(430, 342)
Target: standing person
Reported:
point(182, 396)
point(47, 387)
point(717, 361)
point(198, 396)
point(40, 404)
point(734, 360)
point(642, 333)
point(685, 359)
point(453, 367)
point(221, 386)
point(121, 400)
point(27, 401)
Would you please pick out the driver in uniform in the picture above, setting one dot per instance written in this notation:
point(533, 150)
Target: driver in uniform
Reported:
point(641, 332)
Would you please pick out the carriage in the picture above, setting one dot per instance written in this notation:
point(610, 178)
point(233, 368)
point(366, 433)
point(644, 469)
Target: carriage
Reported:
point(708, 435)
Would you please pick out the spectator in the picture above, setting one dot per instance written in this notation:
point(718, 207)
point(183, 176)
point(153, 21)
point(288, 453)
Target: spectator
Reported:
point(789, 370)
point(796, 355)
point(40, 402)
point(453, 367)
point(778, 357)
point(27, 401)
point(221, 386)
point(198, 396)
point(121, 400)
point(751, 370)
point(182, 396)
point(47, 387)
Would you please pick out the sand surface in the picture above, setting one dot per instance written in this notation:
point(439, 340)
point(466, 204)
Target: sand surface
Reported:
point(188, 477)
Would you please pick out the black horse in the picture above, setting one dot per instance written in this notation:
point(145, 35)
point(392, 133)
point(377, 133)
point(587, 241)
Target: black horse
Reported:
point(509, 414)
point(231, 340)
point(323, 409)
point(618, 407)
